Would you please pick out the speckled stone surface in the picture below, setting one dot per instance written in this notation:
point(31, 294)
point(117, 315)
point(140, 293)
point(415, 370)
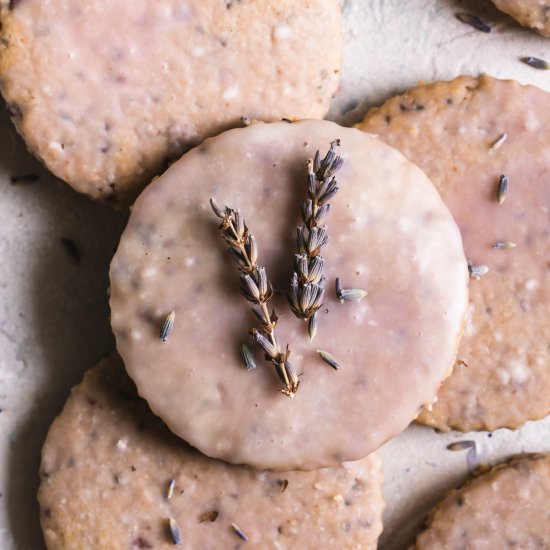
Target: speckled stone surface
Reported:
point(53, 314)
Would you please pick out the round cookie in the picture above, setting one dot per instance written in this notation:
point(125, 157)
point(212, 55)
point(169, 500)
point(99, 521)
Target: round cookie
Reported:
point(508, 507)
point(529, 13)
point(105, 93)
point(466, 134)
point(391, 235)
point(107, 471)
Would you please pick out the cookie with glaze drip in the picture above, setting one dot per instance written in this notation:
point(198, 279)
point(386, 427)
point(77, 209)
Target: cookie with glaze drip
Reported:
point(390, 235)
point(466, 134)
point(108, 93)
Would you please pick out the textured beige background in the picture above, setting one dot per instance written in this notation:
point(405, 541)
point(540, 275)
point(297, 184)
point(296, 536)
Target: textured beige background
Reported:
point(53, 313)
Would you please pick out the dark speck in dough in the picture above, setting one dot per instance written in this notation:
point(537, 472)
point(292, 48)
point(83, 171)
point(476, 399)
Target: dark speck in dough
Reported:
point(141, 542)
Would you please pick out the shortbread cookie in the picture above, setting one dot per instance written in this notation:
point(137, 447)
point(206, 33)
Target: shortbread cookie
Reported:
point(113, 476)
point(529, 13)
point(106, 92)
point(467, 134)
point(391, 235)
point(508, 507)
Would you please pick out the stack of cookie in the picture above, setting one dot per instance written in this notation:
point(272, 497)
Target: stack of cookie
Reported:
point(180, 322)
point(220, 424)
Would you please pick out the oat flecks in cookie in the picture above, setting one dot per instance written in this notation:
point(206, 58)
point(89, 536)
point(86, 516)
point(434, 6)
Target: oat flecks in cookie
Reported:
point(508, 503)
point(65, 100)
point(80, 464)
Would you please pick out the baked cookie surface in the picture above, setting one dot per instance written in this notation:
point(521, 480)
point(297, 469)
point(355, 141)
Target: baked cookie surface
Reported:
point(466, 134)
point(106, 92)
point(508, 507)
point(113, 476)
point(390, 235)
point(529, 13)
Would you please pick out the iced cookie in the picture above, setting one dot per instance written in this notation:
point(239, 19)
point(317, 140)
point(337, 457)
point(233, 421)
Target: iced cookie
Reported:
point(508, 507)
point(529, 13)
point(390, 235)
point(114, 477)
point(105, 93)
point(484, 144)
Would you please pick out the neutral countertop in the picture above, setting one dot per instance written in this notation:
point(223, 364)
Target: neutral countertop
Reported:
point(54, 311)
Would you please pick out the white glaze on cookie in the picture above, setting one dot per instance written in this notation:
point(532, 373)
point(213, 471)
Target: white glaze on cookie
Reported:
point(450, 129)
point(106, 92)
point(390, 235)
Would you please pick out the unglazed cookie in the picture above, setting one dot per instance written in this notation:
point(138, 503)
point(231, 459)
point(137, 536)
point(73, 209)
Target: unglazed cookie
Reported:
point(466, 134)
point(106, 92)
point(529, 13)
point(113, 476)
point(508, 507)
point(391, 235)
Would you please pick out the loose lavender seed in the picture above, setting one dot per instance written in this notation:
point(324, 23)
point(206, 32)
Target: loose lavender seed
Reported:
point(167, 326)
point(461, 445)
point(238, 532)
point(502, 189)
point(328, 359)
point(478, 270)
point(348, 294)
point(171, 485)
point(353, 295)
point(535, 62)
point(503, 245)
point(499, 141)
point(473, 21)
point(174, 530)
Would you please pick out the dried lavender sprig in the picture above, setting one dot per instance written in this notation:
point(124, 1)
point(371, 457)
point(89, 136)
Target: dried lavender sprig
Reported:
point(256, 288)
point(307, 286)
